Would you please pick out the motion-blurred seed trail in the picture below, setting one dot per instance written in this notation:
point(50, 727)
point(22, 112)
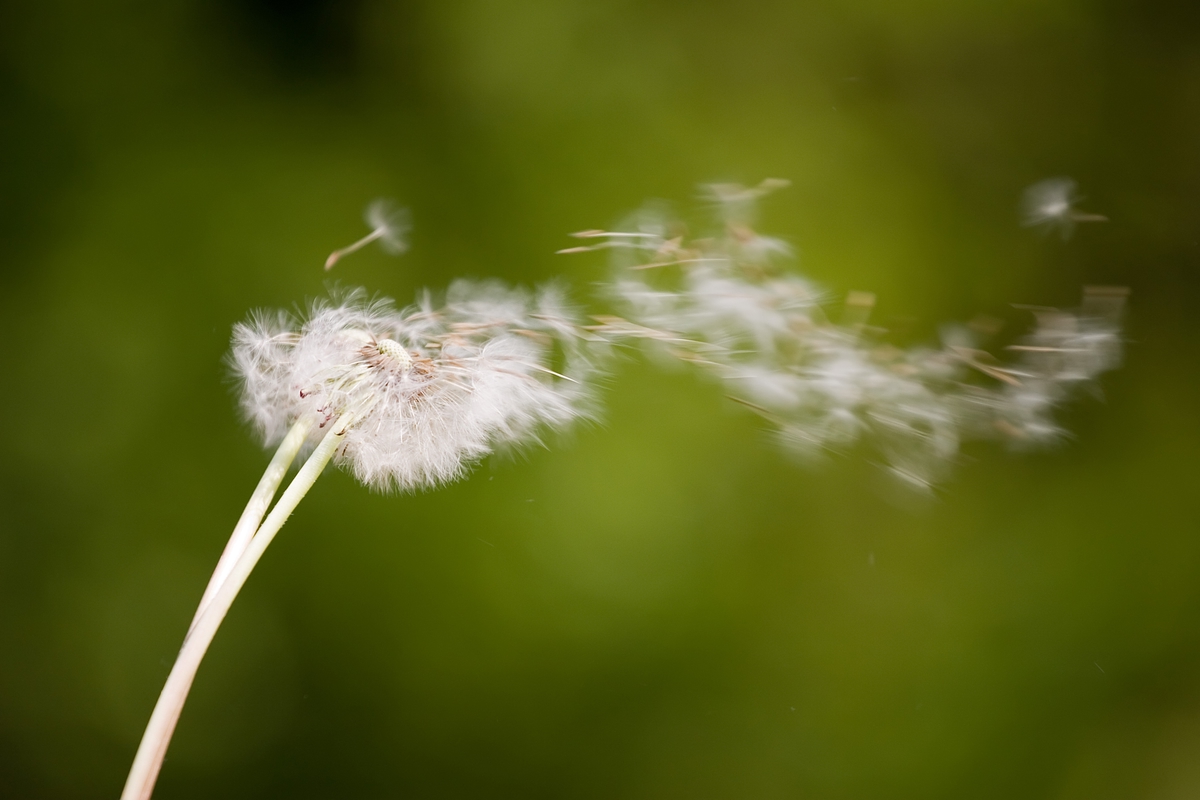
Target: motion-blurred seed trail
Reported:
point(727, 304)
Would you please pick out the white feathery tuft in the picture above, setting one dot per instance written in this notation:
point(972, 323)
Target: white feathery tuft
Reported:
point(391, 222)
point(431, 390)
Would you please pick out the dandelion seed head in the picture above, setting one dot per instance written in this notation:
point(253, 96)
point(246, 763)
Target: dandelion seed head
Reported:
point(431, 391)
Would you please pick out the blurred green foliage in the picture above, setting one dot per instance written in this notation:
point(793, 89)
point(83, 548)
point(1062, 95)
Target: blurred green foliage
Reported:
point(662, 605)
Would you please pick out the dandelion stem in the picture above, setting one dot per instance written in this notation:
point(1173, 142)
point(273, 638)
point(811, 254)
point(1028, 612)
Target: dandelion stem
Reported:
point(255, 509)
point(153, 748)
point(350, 248)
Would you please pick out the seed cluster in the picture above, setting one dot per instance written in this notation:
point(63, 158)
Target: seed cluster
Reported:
point(431, 390)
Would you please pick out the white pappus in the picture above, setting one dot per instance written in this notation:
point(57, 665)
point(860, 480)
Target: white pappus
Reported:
point(431, 390)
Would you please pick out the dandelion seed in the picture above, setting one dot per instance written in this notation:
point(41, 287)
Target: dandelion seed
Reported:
point(1051, 203)
point(389, 226)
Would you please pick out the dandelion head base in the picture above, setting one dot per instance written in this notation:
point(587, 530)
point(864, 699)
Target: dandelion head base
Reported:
point(388, 355)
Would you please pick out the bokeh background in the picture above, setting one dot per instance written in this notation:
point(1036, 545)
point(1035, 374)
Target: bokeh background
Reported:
point(662, 604)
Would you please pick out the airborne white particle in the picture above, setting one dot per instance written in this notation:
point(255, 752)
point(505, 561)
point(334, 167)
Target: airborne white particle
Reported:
point(1050, 204)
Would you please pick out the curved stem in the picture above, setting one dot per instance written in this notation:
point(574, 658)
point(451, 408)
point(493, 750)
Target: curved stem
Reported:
point(350, 248)
point(153, 748)
point(255, 509)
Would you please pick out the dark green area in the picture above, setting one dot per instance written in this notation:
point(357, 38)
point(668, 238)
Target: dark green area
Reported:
point(662, 605)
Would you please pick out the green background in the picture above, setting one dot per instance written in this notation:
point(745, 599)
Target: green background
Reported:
point(662, 604)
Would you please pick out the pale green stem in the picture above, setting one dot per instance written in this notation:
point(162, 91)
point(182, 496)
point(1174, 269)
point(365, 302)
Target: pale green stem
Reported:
point(350, 248)
point(255, 509)
point(153, 748)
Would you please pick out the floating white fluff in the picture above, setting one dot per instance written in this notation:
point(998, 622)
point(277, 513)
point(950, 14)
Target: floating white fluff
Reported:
point(727, 304)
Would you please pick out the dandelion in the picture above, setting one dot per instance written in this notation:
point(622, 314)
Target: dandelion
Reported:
point(410, 399)
point(1051, 204)
point(404, 400)
point(432, 391)
point(389, 226)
